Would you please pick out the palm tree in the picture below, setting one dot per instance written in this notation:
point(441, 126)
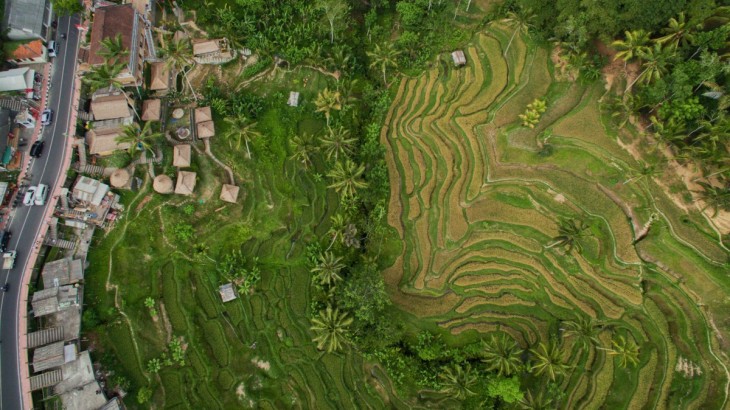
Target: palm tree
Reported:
point(521, 21)
point(626, 350)
point(178, 55)
point(337, 229)
point(104, 76)
point(569, 231)
point(548, 361)
point(584, 329)
point(536, 401)
point(647, 170)
point(677, 33)
point(327, 271)
point(458, 382)
point(138, 138)
point(304, 147)
point(655, 65)
point(327, 101)
point(112, 49)
point(347, 178)
point(337, 142)
point(330, 329)
point(715, 198)
point(384, 56)
point(240, 129)
point(636, 42)
point(502, 354)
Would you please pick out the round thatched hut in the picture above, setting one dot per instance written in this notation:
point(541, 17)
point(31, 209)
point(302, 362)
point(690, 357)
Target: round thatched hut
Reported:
point(163, 184)
point(120, 178)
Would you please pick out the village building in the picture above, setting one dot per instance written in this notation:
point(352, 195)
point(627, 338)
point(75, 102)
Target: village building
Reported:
point(159, 76)
point(212, 51)
point(293, 99)
point(162, 184)
point(227, 292)
point(185, 182)
point(55, 299)
point(53, 355)
point(111, 108)
point(151, 109)
point(29, 53)
point(27, 19)
point(120, 179)
point(181, 156)
point(17, 79)
point(229, 193)
point(111, 21)
point(91, 202)
point(458, 57)
point(205, 129)
point(111, 103)
point(62, 272)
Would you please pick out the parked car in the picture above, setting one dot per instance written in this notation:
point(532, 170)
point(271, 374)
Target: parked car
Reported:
point(52, 48)
point(47, 116)
point(6, 235)
point(37, 149)
point(41, 193)
point(6, 287)
point(29, 198)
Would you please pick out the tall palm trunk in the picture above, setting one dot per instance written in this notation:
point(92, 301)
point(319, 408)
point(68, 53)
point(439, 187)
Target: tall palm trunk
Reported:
point(510, 42)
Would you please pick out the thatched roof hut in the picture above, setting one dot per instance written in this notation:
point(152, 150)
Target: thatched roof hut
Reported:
point(181, 156)
point(151, 110)
point(162, 184)
point(203, 114)
point(120, 178)
point(185, 182)
point(206, 129)
point(229, 193)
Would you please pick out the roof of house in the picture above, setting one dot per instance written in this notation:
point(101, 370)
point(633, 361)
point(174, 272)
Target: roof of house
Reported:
point(227, 292)
point(181, 155)
point(162, 184)
point(109, 21)
point(206, 129)
point(89, 190)
point(32, 49)
point(104, 142)
point(48, 357)
point(151, 109)
point(25, 15)
point(203, 114)
point(16, 79)
point(185, 182)
point(159, 74)
point(205, 47)
point(458, 57)
point(64, 271)
point(45, 301)
point(229, 193)
point(76, 373)
point(109, 103)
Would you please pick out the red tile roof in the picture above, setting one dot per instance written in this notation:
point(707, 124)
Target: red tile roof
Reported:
point(108, 22)
point(34, 49)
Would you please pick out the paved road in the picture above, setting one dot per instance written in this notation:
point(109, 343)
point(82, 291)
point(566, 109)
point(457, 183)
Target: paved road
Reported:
point(27, 221)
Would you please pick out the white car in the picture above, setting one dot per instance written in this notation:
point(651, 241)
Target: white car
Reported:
point(41, 193)
point(47, 116)
point(29, 198)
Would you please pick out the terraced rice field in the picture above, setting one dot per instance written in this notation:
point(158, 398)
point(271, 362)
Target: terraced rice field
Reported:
point(476, 207)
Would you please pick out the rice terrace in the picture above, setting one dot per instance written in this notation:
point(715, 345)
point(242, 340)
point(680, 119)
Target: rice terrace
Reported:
point(410, 204)
point(478, 202)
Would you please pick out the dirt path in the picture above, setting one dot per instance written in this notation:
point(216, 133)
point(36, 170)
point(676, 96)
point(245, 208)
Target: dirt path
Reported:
point(113, 287)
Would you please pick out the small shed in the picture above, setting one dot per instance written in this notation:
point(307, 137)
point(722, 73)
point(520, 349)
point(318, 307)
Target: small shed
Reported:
point(229, 193)
point(162, 184)
point(48, 357)
point(181, 156)
point(459, 58)
point(151, 110)
point(203, 114)
point(185, 182)
point(205, 129)
point(64, 271)
point(228, 293)
point(293, 99)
